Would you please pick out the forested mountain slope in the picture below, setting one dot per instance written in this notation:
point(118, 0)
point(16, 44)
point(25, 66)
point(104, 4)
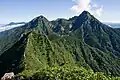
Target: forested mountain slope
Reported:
point(80, 41)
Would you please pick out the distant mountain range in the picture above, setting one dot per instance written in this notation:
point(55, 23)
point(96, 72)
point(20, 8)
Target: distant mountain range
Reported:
point(11, 25)
point(1, 24)
point(79, 41)
point(114, 25)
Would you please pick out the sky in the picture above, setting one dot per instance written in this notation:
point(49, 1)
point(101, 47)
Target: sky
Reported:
point(26, 10)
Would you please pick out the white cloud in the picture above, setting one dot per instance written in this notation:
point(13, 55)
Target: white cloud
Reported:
point(81, 5)
point(95, 5)
point(7, 27)
point(99, 11)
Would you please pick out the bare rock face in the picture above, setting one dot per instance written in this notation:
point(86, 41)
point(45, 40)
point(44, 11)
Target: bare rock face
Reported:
point(8, 76)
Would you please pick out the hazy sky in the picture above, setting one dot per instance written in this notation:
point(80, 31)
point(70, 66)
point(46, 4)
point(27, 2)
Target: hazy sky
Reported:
point(25, 10)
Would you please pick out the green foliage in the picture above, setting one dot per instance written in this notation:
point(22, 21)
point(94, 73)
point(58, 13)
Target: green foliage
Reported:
point(68, 73)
